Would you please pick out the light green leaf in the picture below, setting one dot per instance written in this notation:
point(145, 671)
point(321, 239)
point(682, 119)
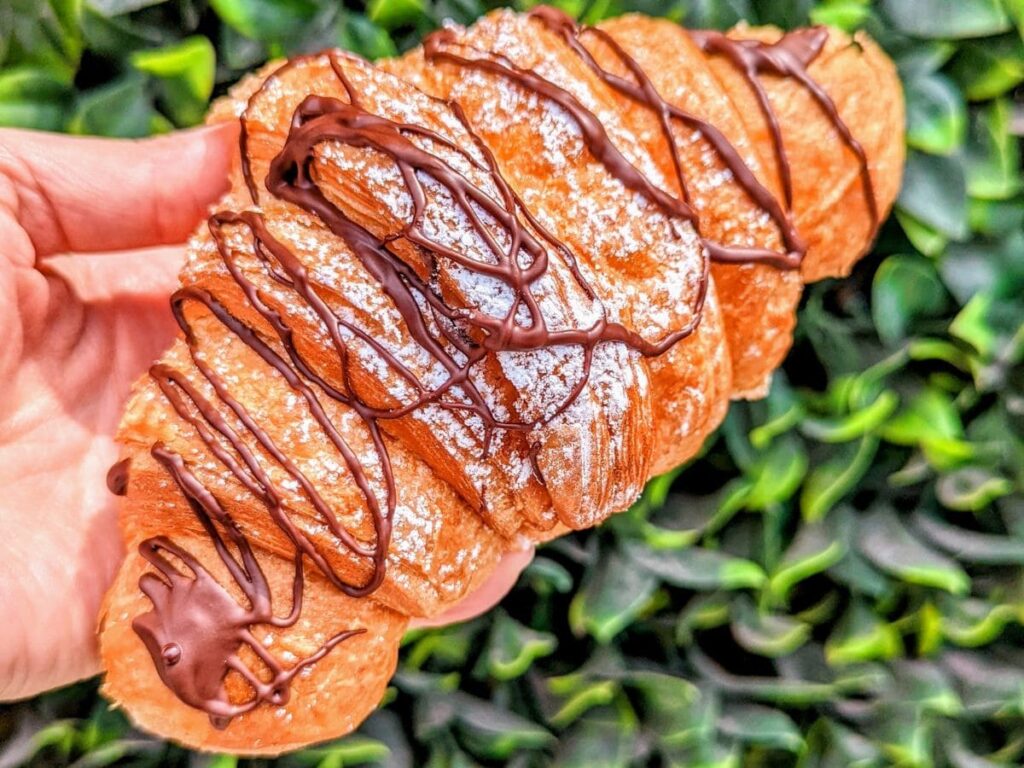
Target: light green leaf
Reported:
point(862, 636)
point(814, 549)
point(990, 69)
point(512, 648)
point(936, 115)
point(830, 481)
point(777, 474)
point(394, 13)
point(186, 72)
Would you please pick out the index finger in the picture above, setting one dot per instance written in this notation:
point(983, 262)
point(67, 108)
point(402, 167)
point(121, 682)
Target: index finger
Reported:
point(84, 194)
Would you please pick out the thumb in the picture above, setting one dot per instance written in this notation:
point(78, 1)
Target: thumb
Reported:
point(84, 194)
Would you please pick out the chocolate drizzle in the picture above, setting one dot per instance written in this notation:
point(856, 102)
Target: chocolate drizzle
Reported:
point(789, 57)
point(197, 628)
point(642, 91)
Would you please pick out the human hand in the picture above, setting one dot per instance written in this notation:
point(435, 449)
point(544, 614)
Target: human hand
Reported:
point(78, 331)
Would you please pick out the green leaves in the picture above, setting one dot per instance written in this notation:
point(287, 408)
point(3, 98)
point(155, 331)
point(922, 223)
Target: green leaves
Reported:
point(944, 19)
point(905, 289)
point(185, 71)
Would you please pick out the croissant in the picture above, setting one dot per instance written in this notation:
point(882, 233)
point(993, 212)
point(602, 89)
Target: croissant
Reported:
point(456, 303)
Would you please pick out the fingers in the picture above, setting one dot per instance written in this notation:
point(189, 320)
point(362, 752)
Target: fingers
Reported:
point(487, 595)
point(99, 277)
point(85, 194)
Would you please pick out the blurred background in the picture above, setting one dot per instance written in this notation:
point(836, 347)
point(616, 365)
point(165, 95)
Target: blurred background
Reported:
point(838, 580)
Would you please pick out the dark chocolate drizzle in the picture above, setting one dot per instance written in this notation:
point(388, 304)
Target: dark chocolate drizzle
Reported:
point(117, 477)
point(197, 628)
point(642, 91)
point(789, 57)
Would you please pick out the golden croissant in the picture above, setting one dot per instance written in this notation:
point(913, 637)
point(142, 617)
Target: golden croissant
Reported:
point(456, 303)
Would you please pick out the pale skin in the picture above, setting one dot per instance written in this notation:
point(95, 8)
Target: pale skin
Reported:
point(91, 234)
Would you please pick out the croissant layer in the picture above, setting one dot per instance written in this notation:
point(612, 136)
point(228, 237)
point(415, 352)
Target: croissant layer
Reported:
point(453, 304)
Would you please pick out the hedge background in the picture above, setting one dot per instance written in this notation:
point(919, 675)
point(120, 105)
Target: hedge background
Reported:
point(838, 581)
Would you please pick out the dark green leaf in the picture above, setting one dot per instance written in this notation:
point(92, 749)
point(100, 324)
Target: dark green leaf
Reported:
point(887, 543)
point(694, 568)
point(935, 193)
point(905, 289)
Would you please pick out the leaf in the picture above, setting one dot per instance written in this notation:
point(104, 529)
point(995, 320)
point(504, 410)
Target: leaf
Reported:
point(905, 289)
point(777, 473)
point(935, 193)
point(694, 568)
point(595, 744)
point(717, 14)
point(613, 595)
point(582, 699)
point(862, 636)
point(971, 489)
point(766, 634)
point(990, 69)
point(936, 115)
point(923, 237)
point(974, 623)
point(673, 708)
point(32, 97)
point(814, 549)
point(846, 15)
point(512, 648)
point(932, 422)
point(547, 575)
point(42, 34)
point(946, 19)
point(186, 71)
point(358, 34)
point(118, 7)
point(993, 154)
point(760, 725)
point(830, 481)
point(494, 732)
point(861, 422)
point(394, 13)
point(122, 109)
point(270, 21)
point(886, 542)
point(970, 546)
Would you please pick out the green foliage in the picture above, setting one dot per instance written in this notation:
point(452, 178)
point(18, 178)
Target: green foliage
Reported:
point(837, 581)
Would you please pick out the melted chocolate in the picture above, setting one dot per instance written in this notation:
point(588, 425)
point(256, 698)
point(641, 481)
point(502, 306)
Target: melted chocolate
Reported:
point(197, 628)
point(789, 57)
point(117, 477)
